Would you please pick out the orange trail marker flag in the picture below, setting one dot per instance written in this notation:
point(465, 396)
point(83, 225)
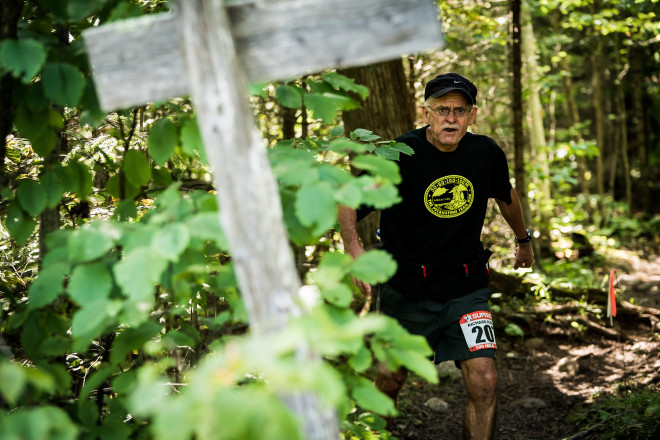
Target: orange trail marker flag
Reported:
point(611, 299)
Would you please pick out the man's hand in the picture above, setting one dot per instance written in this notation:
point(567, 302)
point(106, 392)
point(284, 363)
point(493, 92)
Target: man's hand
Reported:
point(524, 256)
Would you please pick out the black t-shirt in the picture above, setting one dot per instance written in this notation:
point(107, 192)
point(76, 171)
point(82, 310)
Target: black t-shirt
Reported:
point(444, 202)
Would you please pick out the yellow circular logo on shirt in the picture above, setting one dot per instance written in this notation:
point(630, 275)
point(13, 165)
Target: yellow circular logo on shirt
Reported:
point(449, 196)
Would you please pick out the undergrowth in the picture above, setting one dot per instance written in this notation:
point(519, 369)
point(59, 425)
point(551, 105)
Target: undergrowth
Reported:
point(631, 412)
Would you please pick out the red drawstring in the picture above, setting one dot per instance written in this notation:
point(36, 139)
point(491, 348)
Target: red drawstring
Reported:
point(424, 271)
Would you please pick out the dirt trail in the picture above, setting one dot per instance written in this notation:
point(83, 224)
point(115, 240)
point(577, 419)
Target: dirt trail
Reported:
point(543, 378)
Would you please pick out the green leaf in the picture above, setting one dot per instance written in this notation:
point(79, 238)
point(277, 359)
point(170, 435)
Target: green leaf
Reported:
point(293, 166)
point(19, 224)
point(289, 96)
point(332, 269)
point(63, 83)
point(78, 178)
point(191, 139)
point(337, 131)
point(346, 146)
point(349, 195)
point(327, 106)
point(139, 271)
point(59, 373)
point(52, 187)
point(162, 140)
point(45, 422)
point(92, 321)
point(31, 196)
point(512, 329)
point(125, 10)
point(316, 207)
point(136, 168)
point(375, 266)
point(23, 58)
point(377, 194)
point(367, 396)
point(95, 380)
point(366, 135)
point(48, 285)
point(345, 83)
point(113, 187)
point(125, 209)
point(92, 241)
point(12, 381)
point(300, 234)
point(89, 282)
point(378, 166)
point(13, 154)
point(206, 226)
point(171, 240)
point(81, 9)
point(361, 360)
point(340, 295)
point(132, 339)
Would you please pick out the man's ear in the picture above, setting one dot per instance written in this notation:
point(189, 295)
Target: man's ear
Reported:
point(425, 113)
point(473, 116)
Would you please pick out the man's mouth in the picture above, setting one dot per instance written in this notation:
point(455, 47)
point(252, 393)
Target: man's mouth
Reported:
point(450, 130)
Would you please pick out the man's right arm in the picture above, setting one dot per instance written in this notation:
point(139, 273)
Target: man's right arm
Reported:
point(347, 218)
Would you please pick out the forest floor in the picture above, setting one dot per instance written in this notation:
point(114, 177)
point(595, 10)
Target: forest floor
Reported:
point(546, 376)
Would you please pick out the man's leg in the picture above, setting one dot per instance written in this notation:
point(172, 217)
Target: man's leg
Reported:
point(480, 377)
point(390, 383)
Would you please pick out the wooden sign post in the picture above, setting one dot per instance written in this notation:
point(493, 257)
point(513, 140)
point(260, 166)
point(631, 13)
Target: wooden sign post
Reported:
point(209, 50)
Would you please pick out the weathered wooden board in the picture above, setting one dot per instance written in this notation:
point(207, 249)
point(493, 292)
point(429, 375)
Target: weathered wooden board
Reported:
point(140, 60)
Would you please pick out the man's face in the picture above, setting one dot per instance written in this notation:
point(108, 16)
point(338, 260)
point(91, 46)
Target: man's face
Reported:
point(446, 131)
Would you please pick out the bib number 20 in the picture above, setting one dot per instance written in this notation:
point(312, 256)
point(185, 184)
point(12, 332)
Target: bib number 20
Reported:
point(478, 330)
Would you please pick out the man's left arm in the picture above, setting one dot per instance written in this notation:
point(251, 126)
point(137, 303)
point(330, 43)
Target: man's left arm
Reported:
point(512, 213)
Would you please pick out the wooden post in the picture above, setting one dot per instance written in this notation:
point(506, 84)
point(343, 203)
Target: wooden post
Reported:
point(275, 39)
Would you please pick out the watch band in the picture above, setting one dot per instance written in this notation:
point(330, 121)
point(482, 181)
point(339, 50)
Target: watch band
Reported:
point(526, 239)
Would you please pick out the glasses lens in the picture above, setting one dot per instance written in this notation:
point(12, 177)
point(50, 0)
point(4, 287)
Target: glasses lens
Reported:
point(459, 112)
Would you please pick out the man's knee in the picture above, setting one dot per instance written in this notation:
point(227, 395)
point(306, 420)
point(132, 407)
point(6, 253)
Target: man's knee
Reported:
point(480, 378)
point(390, 382)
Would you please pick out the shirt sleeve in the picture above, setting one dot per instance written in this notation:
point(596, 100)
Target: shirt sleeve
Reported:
point(500, 184)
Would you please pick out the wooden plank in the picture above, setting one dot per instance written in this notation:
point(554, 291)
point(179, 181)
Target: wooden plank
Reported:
point(251, 213)
point(139, 60)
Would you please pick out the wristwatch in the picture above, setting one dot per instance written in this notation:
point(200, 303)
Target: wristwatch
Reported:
point(526, 239)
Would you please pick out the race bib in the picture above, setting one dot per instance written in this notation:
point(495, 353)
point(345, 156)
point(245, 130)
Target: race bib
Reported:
point(478, 330)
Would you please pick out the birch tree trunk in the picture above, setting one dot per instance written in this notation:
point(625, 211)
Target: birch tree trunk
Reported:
point(538, 145)
point(250, 210)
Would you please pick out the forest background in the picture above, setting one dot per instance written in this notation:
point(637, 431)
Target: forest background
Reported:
point(121, 315)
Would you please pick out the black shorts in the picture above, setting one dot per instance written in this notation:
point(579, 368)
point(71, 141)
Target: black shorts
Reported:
point(458, 329)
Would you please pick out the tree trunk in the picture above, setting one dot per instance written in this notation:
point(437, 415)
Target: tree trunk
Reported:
point(10, 11)
point(636, 56)
point(388, 111)
point(597, 84)
point(623, 132)
point(517, 105)
point(538, 146)
point(574, 116)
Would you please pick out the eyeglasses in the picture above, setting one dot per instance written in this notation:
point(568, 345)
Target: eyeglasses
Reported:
point(459, 112)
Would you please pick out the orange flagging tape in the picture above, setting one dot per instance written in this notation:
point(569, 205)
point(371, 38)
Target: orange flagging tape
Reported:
point(612, 295)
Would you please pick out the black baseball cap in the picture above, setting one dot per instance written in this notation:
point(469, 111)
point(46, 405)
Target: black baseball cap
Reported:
point(448, 82)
